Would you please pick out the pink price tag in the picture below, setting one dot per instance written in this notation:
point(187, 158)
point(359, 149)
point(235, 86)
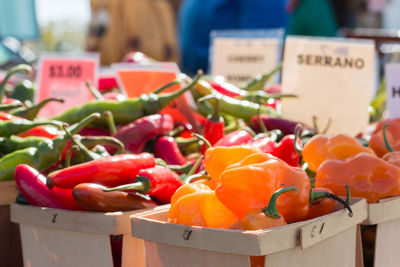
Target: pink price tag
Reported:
point(64, 77)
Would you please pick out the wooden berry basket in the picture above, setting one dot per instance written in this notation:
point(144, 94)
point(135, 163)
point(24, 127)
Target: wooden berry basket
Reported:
point(385, 215)
point(325, 241)
point(55, 237)
point(10, 246)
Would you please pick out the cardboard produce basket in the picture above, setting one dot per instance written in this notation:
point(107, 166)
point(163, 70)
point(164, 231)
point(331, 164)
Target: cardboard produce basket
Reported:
point(385, 216)
point(10, 245)
point(55, 237)
point(325, 241)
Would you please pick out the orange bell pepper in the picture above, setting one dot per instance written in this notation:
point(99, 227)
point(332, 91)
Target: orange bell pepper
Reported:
point(250, 184)
point(200, 208)
point(267, 217)
point(392, 158)
point(218, 158)
point(322, 147)
point(368, 176)
point(377, 142)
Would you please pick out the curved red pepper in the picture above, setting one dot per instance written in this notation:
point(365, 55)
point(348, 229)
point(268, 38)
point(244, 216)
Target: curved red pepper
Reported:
point(265, 144)
point(135, 135)
point(239, 137)
point(227, 89)
point(110, 171)
point(271, 123)
point(32, 186)
point(285, 150)
point(167, 149)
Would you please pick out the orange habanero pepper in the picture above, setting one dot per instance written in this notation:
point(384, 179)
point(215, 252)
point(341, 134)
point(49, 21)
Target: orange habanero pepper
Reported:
point(367, 176)
point(251, 183)
point(377, 142)
point(218, 158)
point(322, 147)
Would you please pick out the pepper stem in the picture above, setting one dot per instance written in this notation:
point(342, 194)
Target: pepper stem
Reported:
point(68, 157)
point(195, 177)
point(110, 122)
point(96, 93)
point(177, 131)
point(19, 68)
point(142, 185)
point(249, 130)
point(260, 121)
point(31, 112)
point(77, 127)
point(92, 141)
point(168, 85)
point(297, 146)
point(271, 209)
point(195, 165)
point(316, 195)
point(89, 155)
point(202, 138)
point(216, 115)
point(385, 138)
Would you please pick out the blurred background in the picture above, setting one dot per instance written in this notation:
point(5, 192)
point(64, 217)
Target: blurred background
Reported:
point(178, 30)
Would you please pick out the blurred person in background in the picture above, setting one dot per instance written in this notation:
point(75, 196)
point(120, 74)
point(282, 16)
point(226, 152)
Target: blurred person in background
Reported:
point(311, 17)
point(197, 18)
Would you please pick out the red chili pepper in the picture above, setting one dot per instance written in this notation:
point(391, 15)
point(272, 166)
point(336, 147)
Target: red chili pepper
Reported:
point(159, 182)
point(4, 116)
point(239, 137)
point(32, 186)
point(110, 171)
point(285, 150)
point(265, 144)
point(227, 89)
point(7, 100)
point(167, 149)
point(135, 135)
point(188, 129)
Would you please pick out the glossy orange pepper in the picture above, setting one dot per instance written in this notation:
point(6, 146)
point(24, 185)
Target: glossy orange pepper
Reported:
point(267, 217)
point(188, 189)
point(250, 184)
point(367, 176)
point(322, 147)
point(377, 142)
point(218, 158)
point(392, 158)
point(200, 208)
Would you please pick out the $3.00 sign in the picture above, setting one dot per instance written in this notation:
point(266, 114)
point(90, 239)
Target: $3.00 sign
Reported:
point(64, 77)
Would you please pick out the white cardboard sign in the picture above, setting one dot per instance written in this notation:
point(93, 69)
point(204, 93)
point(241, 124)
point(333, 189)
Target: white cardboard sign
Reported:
point(240, 55)
point(392, 72)
point(333, 79)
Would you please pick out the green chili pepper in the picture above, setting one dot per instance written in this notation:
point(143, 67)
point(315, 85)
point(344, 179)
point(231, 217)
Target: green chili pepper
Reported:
point(31, 112)
point(5, 107)
point(261, 97)
point(19, 68)
point(259, 81)
point(13, 143)
point(92, 141)
point(23, 91)
point(42, 156)
point(13, 127)
point(128, 110)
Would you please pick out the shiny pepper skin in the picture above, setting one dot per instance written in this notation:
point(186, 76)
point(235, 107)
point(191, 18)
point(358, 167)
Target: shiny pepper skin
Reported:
point(322, 147)
point(367, 176)
point(377, 142)
point(250, 184)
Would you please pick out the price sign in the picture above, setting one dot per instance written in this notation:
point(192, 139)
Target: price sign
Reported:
point(239, 55)
point(334, 80)
point(392, 71)
point(64, 76)
point(137, 79)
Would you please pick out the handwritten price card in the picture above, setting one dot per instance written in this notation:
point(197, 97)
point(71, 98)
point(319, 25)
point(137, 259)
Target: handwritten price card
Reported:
point(392, 71)
point(333, 78)
point(240, 55)
point(64, 76)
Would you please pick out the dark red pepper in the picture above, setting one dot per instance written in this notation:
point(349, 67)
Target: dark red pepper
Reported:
point(271, 123)
point(32, 186)
point(167, 149)
point(136, 134)
point(286, 151)
point(111, 171)
point(266, 144)
point(159, 182)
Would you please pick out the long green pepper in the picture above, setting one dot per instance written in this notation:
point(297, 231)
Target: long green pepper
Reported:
point(13, 143)
point(128, 110)
point(31, 112)
point(42, 156)
point(14, 127)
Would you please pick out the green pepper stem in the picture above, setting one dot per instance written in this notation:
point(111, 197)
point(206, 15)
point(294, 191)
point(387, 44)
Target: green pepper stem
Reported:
point(77, 127)
point(89, 155)
point(94, 91)
point(260, 121)
point(168, 85)
point(271, 210)
point(68, 157)
point(216, 114)
point(385, 138)
point(92, 141)
point(177, 131)
point(202, 138)
point(110, 122)
point(31, 112)
point(142, 185)
point(297, 146)
point(179, 168)
point(258, 82)
point(328, 125)
point(195, 165)
point(4, 107)
point(19, 68)
point(316, 195)
point(195, 177)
